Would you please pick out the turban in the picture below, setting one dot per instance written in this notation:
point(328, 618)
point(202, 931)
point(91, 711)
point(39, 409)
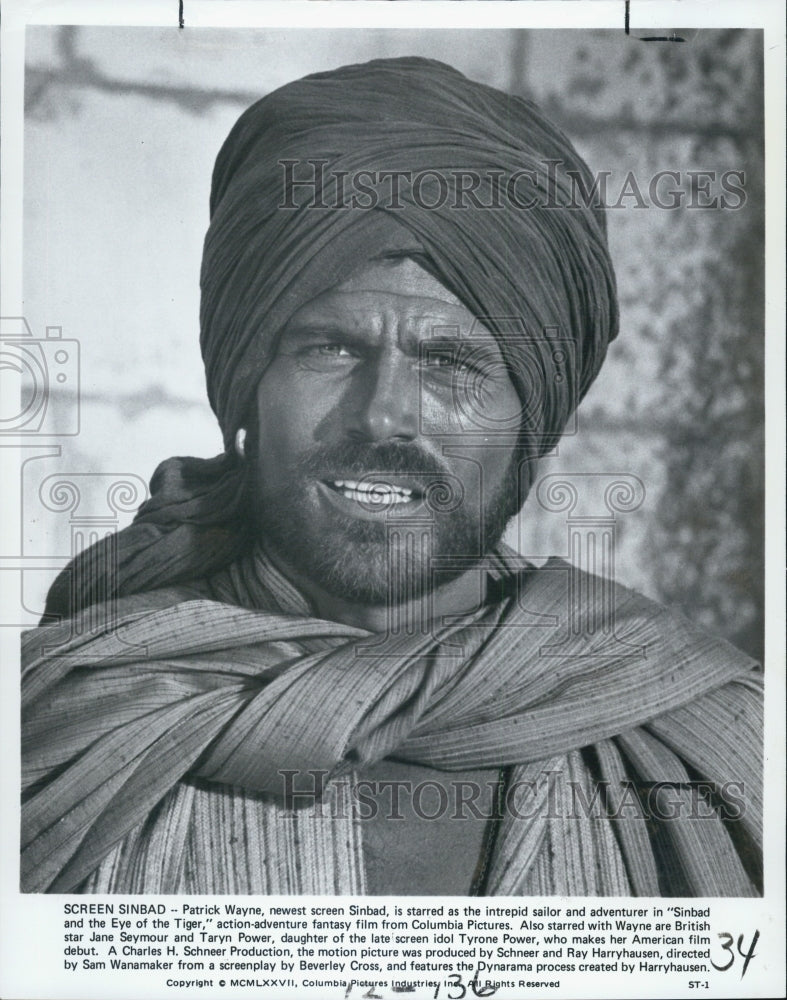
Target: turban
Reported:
point(521, 251)
point(536, 268)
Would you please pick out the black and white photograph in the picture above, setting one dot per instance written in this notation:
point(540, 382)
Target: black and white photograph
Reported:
point(388, 513)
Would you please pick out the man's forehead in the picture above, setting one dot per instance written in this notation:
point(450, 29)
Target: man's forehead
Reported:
point(398, 276)
point(399, 283)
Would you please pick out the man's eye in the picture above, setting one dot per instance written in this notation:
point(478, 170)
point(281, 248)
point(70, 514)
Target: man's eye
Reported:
point(332, 351)
point(327, 354)
point(448, 364)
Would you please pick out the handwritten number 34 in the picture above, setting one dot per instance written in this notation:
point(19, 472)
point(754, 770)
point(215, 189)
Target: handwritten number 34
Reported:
point(747, 956)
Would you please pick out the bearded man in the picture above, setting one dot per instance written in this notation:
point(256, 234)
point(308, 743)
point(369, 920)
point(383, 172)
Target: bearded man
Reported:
point(402, 304)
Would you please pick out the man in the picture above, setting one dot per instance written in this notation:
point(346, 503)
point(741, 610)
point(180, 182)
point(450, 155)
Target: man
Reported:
point(396, 272)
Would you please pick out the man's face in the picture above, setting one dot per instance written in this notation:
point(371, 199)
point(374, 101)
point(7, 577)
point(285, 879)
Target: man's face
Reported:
point(376, 443)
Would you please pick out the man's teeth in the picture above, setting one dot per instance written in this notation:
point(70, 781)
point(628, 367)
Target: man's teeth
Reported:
point(372, 493)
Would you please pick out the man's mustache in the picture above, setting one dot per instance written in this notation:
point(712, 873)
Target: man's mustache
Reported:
point(360, 461)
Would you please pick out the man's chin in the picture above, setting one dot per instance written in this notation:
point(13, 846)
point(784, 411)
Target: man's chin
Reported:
point(373, 562)
point(369, 573)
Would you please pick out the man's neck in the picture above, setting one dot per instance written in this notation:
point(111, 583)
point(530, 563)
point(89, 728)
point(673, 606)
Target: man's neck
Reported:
point(456, 597)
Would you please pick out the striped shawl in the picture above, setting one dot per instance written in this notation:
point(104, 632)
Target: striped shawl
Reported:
point(155, 730)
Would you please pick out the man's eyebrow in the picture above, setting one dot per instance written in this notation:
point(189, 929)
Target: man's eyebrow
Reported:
point(447, 335)
point(316, 326)
point(442, 328)
point(316, 329)
point(418, 329)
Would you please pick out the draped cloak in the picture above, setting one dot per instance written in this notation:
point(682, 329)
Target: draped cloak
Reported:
point(154, 746)
point(179, 673)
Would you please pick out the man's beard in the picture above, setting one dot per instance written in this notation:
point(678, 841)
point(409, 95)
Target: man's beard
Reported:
point(386, 560)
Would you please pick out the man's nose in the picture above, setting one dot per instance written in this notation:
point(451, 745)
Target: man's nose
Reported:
point(384, 403)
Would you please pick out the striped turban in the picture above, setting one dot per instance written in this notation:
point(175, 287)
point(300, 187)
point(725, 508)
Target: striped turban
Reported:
point(331, 170)
point(476, 182)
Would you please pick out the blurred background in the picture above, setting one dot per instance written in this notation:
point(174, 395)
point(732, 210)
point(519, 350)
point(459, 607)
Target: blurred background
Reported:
point(122, 128)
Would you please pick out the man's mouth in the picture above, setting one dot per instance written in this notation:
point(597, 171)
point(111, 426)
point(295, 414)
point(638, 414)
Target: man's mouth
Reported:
point(374, 493)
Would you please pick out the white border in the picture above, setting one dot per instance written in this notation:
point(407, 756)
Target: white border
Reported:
point(21, 918)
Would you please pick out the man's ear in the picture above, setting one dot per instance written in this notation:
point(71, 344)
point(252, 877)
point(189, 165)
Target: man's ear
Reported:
point(245, 439)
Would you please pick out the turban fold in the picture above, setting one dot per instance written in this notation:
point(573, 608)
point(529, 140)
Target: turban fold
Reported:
point(533, 266)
